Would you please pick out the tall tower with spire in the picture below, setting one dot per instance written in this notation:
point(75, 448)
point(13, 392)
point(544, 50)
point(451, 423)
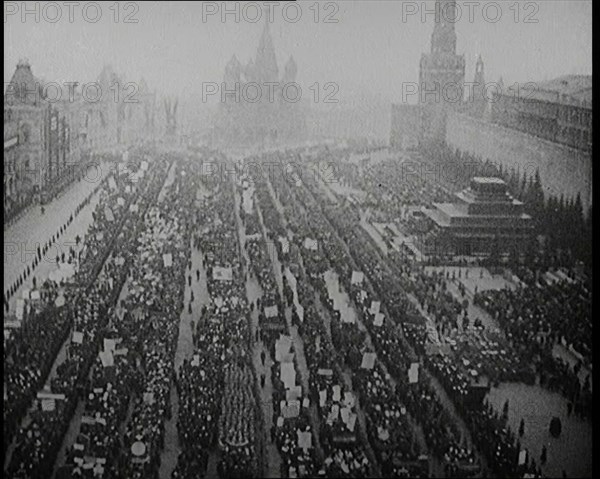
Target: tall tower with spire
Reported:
point(443, 39)
point(477, 99)
point(274, 117)
point(266, 62)
point(441, 75)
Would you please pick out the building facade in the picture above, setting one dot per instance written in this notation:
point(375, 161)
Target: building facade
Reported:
point(49, 136)
point(559, 110)
point(117, 113)
point(25, 141)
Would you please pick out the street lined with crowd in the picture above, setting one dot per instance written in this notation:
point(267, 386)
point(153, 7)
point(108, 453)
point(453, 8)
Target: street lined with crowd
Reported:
point(315, 353)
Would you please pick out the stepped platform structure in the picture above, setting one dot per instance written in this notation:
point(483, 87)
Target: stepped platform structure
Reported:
point(486, 218)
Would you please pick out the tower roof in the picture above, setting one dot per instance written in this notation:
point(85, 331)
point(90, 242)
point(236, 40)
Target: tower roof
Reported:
point(108, 77)
point(266, 61)
point(24, 86)
point(143, 86)
point(290, 71)
point(233, 63)
point(443, 39)
point(479, 70)
point(233, 70)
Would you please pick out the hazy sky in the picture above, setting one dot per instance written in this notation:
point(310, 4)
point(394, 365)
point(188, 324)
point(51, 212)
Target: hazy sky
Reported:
point(369, 52)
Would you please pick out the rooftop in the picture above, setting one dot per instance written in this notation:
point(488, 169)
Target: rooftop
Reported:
point(566, 89)
point(488, 180)
point(24, 86)
point(452, 210)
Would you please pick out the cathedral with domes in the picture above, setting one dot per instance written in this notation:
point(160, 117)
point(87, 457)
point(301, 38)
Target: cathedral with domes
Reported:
point(258, 105)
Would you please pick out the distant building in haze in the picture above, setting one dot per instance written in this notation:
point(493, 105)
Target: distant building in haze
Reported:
point(558, 110)
point(257, 106)
point(52, 128)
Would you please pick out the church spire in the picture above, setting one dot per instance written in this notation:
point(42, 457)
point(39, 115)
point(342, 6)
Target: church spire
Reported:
point(266, 61)
point(479, 67)
point(478, 98)
point(479, 78)
point(443, 39)
point(290, 71)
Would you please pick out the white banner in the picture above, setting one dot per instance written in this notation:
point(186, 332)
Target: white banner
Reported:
point(48, 405)
point(413, 373)
point(288, 375)
point(19, 308)
point(49, 395)
point(285, 244)
point(304, 440)
point(311, 244)
point(292, 409)
point(282, 347)
point(109, 344)
point(357, 277)
point(351, 422)
point(293, 393)
point(368, 361)
point(345, 414)
point(222, 274)
point(107, 359)
point(337, 392)
point(322, 398)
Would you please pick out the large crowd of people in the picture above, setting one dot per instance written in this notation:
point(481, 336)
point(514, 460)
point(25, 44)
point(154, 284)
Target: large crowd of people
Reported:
point(236, 431)
point(369, 262)
point(537, 317)
point(86, 300)
point(365, 349)
point(343, 448)
point(388, 429)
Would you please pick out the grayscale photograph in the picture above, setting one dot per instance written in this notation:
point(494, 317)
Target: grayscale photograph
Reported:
point(298, 239)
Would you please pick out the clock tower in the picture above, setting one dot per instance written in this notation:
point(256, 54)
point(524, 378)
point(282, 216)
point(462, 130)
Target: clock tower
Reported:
point(441, 75)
